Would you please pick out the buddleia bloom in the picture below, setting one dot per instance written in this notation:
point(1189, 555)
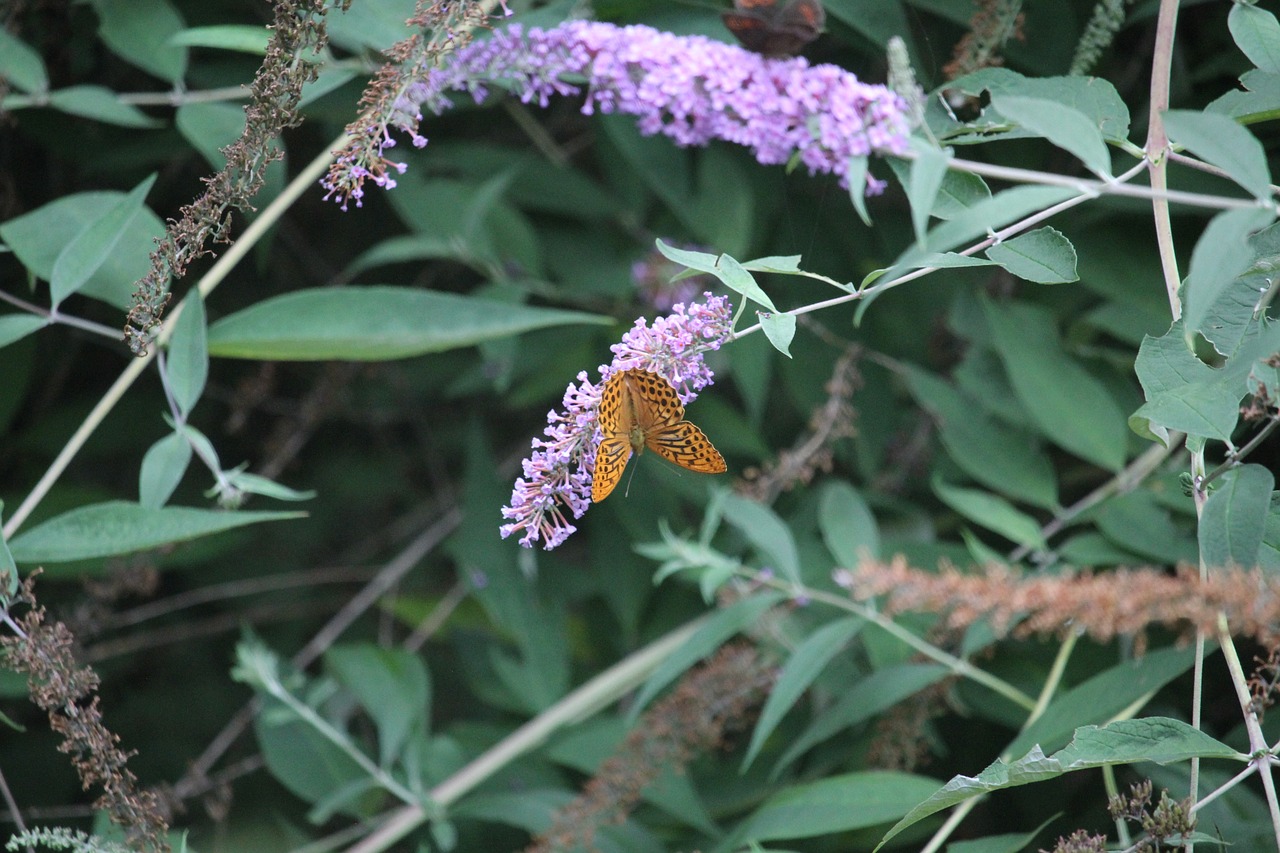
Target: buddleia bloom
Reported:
point(690, 89)
point(555, 489)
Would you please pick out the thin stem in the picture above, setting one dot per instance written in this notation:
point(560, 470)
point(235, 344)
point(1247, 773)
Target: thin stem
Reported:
point(1234, 458)
point(958, 666)
point(1055, 678)
point(1259, 754)
point(1127, 480)
point(305, 180)
point(604, 689)
point(1157, 149)
point(54, 316)
point(1097, 189)
point(409, 557)
point(1003, 234)
point(949, 826)
point(338, 739)
point(11, 804)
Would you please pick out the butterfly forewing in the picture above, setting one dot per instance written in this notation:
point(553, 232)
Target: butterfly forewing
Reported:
point(639, 409)
point(657, 404)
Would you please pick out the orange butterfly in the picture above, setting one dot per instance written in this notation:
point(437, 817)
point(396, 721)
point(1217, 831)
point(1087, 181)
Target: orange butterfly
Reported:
point(639, 409)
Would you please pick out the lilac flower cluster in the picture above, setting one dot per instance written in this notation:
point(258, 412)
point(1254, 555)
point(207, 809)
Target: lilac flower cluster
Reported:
point(557, 475)
point(689, 88)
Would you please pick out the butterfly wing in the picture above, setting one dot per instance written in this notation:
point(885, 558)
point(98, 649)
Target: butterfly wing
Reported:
point(611, 461)
point(657, 404)
point(615, 417)
point(687, 446)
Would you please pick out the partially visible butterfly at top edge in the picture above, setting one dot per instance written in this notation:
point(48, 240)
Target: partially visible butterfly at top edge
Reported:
point(775, 27)
point(639, 409)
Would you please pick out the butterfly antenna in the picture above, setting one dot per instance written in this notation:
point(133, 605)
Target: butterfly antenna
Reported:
point(626, 493)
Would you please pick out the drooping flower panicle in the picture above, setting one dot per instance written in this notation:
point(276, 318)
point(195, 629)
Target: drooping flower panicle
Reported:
point(556, 484)
point(691, 89)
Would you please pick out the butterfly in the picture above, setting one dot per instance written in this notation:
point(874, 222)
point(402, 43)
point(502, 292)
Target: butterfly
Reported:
point(775, 27)
point(639, 409)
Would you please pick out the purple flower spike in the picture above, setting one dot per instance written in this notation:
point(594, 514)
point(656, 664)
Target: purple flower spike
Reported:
point(689, 88)
point(557, 476)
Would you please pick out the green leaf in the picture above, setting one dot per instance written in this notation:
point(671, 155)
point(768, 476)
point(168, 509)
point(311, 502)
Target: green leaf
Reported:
point(209, 127)
point(1182, 392)
point(1221, 255)
point(305, 761)
point(369, 26)
point(1259, 102)
point(15, 327)
point(980, 219)
point(1257, 34)
point(737, 278)
point(1071, 407)
point(848, 528)
point(1233, 522)
point(95, 243)
point(865, 698)
point(141, 31)
point(950, 261)
point(713, 634)
point(100, 104)
point(39, 237)
point(1063, 125)
point(21, 65)
point(1103, 696)
point(768, 533)
point(999, 456)
point(786, 264)
point(779, 329)
point(238, 37)
point(374, 323)
point(925, 180)
point(798, 673)
point(187, 367)
point(857, 178)
point(991, 512)
point(118, 527)
point(1157, 739)
point(258, 485)
point(1222, 142)
point(835, 804)
point(162, 469)
point(1138, 523)
point(392, 686)
point(1092, 96)
point(1044, 256)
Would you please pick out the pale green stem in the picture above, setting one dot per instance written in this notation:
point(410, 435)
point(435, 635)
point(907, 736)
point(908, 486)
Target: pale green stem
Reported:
point(1259, 753)
point(306, 180)
point(338, 739)
point(1003, 234)
point(1055, 678)
point(1097, 189)
point(949, 826)
point(958, 666)
point(1113, 791)
point(601, 691)
point(1157, 148)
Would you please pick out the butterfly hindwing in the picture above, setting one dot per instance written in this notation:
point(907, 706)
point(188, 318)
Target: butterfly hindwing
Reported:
point(611, 461)
point(687, 446)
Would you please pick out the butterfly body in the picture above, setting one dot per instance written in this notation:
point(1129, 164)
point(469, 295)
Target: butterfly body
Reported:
point(775, 27)
point(639, 409)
